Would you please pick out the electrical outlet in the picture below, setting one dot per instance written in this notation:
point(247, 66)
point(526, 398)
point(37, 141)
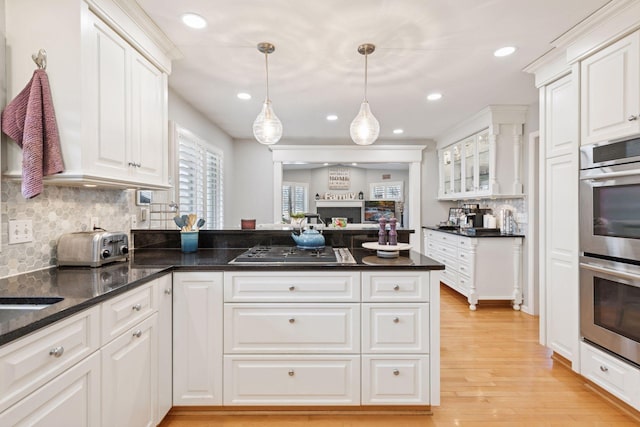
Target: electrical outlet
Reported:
point(20, 231)
point(94, 223)
point(134, 221)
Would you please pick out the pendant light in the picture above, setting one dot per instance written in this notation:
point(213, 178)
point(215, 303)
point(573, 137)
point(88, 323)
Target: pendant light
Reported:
point(267, 127)
point(365, 127)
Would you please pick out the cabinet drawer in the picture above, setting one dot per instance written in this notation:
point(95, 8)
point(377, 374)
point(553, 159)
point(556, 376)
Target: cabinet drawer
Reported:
point(448, 276)
point(395, 328)
point(291, 380)
point(450, 251)
point(122, 312)
point(32, 361)
point(620, 379)
point(70, 399)
point(279, 328)
point(464, 283)
point(262, 287)
point(396, 286)
point(445, 238)
point(395, 379)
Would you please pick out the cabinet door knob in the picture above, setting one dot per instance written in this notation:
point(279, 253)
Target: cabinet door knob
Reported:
point(396, 319)
point(396, 372)
point(137, 307)
point(167, 291)
point(603, 368)
point(396, 287)
point(292, 320)
point(291, 372)
point(56, 351)
point(137, 333)
point(632, 118)
point(292, 288)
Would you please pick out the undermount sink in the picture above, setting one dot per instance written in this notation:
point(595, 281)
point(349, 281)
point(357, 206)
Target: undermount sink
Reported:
point(27, 303)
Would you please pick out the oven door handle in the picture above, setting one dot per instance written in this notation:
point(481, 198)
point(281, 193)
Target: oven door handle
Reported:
point(612, 272)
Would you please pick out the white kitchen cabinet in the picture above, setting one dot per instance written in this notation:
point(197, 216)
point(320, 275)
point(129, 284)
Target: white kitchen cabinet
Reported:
point(71, 399)
point(610, 91)
point(197, 338)
point(120, 313)
point(561, 274)
point(487, 163)
point(130, 376)
point(164, 288)
point(618, 378)
point(30, 362)
point(480, 268)
point(400, 347)
point(110, 100)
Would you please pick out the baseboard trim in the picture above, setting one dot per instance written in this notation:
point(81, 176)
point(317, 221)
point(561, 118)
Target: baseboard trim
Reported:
point(299, 410)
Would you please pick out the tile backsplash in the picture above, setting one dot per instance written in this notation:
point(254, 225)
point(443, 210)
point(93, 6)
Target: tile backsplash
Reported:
point(517, 205)
point(56, 211)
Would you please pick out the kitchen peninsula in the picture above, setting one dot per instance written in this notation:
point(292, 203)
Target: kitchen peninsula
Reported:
point(273, 337)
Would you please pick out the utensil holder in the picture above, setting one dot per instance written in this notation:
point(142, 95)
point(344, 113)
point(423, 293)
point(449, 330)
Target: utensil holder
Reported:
point(189, 241)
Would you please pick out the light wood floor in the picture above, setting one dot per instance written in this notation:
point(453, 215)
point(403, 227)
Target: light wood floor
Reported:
point(494, 373)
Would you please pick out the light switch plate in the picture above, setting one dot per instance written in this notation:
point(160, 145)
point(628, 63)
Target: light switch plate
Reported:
point(20, 231)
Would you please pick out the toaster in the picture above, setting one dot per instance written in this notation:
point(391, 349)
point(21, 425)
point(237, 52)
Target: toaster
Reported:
point(92, 248)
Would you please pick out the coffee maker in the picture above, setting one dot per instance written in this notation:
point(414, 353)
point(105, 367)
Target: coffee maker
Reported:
point(474, 214)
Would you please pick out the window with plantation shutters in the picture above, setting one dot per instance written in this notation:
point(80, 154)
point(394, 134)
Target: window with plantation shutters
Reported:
point(386, 191)
point(295, 199)
point(199, 180)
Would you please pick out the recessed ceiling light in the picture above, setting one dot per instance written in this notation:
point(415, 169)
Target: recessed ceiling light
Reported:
point(332, 117)
point(193, 20)
point(354, 164)
point(504, 51)
point(434, 96)
point(398, 131)
point(326, 164)
point(244, 95)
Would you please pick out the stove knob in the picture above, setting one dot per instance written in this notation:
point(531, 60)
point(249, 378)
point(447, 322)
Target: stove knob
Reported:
point(124, 250)
point(106, 253)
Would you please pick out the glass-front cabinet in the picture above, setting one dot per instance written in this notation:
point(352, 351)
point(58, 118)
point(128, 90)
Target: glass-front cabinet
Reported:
point(465, 168)
point(481, 157)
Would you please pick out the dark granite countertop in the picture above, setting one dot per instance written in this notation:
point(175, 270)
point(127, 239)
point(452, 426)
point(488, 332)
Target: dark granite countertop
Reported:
point(473, 232)
point(82, 287)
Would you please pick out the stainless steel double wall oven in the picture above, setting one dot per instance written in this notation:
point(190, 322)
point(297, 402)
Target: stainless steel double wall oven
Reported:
point(610, 246)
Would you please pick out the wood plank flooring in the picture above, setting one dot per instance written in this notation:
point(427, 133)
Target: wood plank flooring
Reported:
point(494, 374)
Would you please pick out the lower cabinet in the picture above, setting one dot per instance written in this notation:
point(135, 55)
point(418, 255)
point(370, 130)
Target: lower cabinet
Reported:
point(71, 399)
point(130, 376)
point(480, 268)
point(395, 379)
point(292, 380)
point(197, 338)
point(99, 367)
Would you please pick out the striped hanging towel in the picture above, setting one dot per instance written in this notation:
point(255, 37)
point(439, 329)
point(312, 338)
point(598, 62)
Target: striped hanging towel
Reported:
point(30, 120)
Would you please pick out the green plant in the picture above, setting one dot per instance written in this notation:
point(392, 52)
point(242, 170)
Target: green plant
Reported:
point(297, 215)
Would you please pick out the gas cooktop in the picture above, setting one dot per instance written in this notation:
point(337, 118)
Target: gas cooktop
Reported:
point(293, 255)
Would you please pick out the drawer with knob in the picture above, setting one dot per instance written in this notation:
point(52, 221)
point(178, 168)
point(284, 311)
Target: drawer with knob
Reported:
point(30, 362)
point(122, 312)
point(395, 286)
point(395, 379)
point(287, 328)
point(292, 380)
point(618, 378)
point(285, 287)
point(395, 328)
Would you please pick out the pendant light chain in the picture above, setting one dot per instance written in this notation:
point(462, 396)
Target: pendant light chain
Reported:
point(365, 76)
point(266, 62)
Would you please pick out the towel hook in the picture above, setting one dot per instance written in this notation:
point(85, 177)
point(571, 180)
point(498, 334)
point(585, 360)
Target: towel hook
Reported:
point(40, 59)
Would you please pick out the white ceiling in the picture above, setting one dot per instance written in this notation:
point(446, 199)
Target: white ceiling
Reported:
point(422, 46)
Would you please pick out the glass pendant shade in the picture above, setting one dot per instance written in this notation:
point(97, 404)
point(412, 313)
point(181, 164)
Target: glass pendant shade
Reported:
point(365, 127)
point(267, 127)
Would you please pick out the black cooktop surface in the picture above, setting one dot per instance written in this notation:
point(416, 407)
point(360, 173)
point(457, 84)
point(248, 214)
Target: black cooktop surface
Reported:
point(288, 254)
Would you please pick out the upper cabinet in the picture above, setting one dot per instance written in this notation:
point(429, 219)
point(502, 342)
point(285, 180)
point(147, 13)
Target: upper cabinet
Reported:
point(108, 81)
point(486, 164)
point(610, 91)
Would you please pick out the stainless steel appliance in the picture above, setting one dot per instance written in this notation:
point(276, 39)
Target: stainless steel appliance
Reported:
point(610, 306)
point(610, 199)
point(92, 248)
point(609, 195)
point(274, 255)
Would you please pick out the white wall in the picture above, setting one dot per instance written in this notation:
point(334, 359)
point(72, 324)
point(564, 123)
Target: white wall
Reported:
point(185, 115)
point(252, 184)
point(433, 211)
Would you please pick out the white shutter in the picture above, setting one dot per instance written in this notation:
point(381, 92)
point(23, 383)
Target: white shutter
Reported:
point(386, 191)
point(199, 180)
